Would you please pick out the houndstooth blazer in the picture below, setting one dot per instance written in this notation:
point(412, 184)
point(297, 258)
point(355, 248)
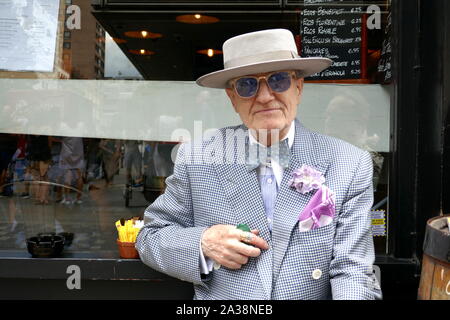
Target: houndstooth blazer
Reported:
point(331, 262)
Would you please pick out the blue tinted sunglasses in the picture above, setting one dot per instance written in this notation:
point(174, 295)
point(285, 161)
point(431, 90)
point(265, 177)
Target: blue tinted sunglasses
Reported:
point(247, 86)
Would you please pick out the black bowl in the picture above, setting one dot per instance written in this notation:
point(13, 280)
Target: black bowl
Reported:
point(44, 234)
point(68, 236)
point(45, 246)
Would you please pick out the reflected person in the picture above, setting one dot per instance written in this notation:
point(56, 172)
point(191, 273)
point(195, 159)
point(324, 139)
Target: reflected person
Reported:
point(39, 158)
point(347, 117)
point(133, 160)
point(110, 152)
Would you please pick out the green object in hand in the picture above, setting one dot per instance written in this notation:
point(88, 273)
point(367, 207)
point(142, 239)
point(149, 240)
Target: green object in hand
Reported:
point(243, 227)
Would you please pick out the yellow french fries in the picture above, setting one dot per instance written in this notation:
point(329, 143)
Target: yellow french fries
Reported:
point(127, 232)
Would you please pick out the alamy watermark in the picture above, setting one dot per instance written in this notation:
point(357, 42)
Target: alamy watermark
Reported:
point(73, 20)
point(374, 17)
point(224, 146)
point(74, 280)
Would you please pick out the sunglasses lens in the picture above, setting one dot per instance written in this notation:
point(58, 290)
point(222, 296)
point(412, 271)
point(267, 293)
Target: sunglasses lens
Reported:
point(280, 81)
point(246, 87)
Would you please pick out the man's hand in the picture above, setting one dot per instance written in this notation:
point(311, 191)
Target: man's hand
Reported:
point(223, 244)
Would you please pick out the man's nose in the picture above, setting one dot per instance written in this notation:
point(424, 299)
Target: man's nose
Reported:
point(264, 93)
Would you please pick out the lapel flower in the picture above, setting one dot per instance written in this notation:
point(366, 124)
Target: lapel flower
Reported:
point(306, 179)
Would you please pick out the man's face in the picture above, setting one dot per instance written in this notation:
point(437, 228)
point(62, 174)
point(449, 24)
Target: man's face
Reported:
point(268, 109)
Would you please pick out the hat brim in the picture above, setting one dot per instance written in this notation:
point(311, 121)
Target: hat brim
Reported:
point(306, 66)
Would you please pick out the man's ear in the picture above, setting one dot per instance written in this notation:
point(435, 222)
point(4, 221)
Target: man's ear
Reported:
point(299, 83)
point(231, 95)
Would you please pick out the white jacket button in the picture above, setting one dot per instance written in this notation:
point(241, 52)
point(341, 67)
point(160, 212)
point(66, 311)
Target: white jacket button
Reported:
point(317, 274)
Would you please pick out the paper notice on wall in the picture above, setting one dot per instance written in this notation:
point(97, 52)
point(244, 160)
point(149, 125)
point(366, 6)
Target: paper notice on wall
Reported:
point(378, 223)
point(28, 31)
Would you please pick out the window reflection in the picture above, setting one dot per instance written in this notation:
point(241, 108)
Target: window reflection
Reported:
point(76, 185)
point(80, 176)
point(347, 117)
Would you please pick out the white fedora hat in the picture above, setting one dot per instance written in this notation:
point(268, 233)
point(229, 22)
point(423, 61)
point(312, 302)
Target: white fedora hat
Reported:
point(258, 52)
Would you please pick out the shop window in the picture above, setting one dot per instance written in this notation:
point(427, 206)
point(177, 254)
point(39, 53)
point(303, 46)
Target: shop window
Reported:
point(77, 157)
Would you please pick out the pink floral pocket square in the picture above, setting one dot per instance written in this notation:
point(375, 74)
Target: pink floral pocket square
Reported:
point(319, 211)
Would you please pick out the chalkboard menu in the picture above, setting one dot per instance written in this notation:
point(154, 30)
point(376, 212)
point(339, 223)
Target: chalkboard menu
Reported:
point(335, 32)
point(384, 64)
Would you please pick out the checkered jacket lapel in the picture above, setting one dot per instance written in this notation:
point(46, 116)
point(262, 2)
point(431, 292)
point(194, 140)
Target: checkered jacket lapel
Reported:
point(242, 190)
point(289, 202)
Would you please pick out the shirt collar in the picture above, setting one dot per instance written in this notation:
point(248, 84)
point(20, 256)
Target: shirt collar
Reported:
point(290, 136)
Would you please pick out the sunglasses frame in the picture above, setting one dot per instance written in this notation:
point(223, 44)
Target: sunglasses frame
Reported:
point(292, 74)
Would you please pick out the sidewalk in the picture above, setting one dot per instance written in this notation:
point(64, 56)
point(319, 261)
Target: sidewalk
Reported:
point(92, 221)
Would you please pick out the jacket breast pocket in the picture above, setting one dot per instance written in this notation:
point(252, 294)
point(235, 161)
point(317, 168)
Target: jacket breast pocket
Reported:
point(320, 239)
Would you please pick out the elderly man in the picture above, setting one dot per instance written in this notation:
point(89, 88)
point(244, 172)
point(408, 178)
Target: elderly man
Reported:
point(290, 221)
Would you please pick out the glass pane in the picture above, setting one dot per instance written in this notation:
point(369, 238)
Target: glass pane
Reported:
point(355, 105)
point(95, 101)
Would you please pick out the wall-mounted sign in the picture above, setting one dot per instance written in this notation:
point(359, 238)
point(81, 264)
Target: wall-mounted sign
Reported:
point(378, 223)
point(28, 35)
point(336, 32)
